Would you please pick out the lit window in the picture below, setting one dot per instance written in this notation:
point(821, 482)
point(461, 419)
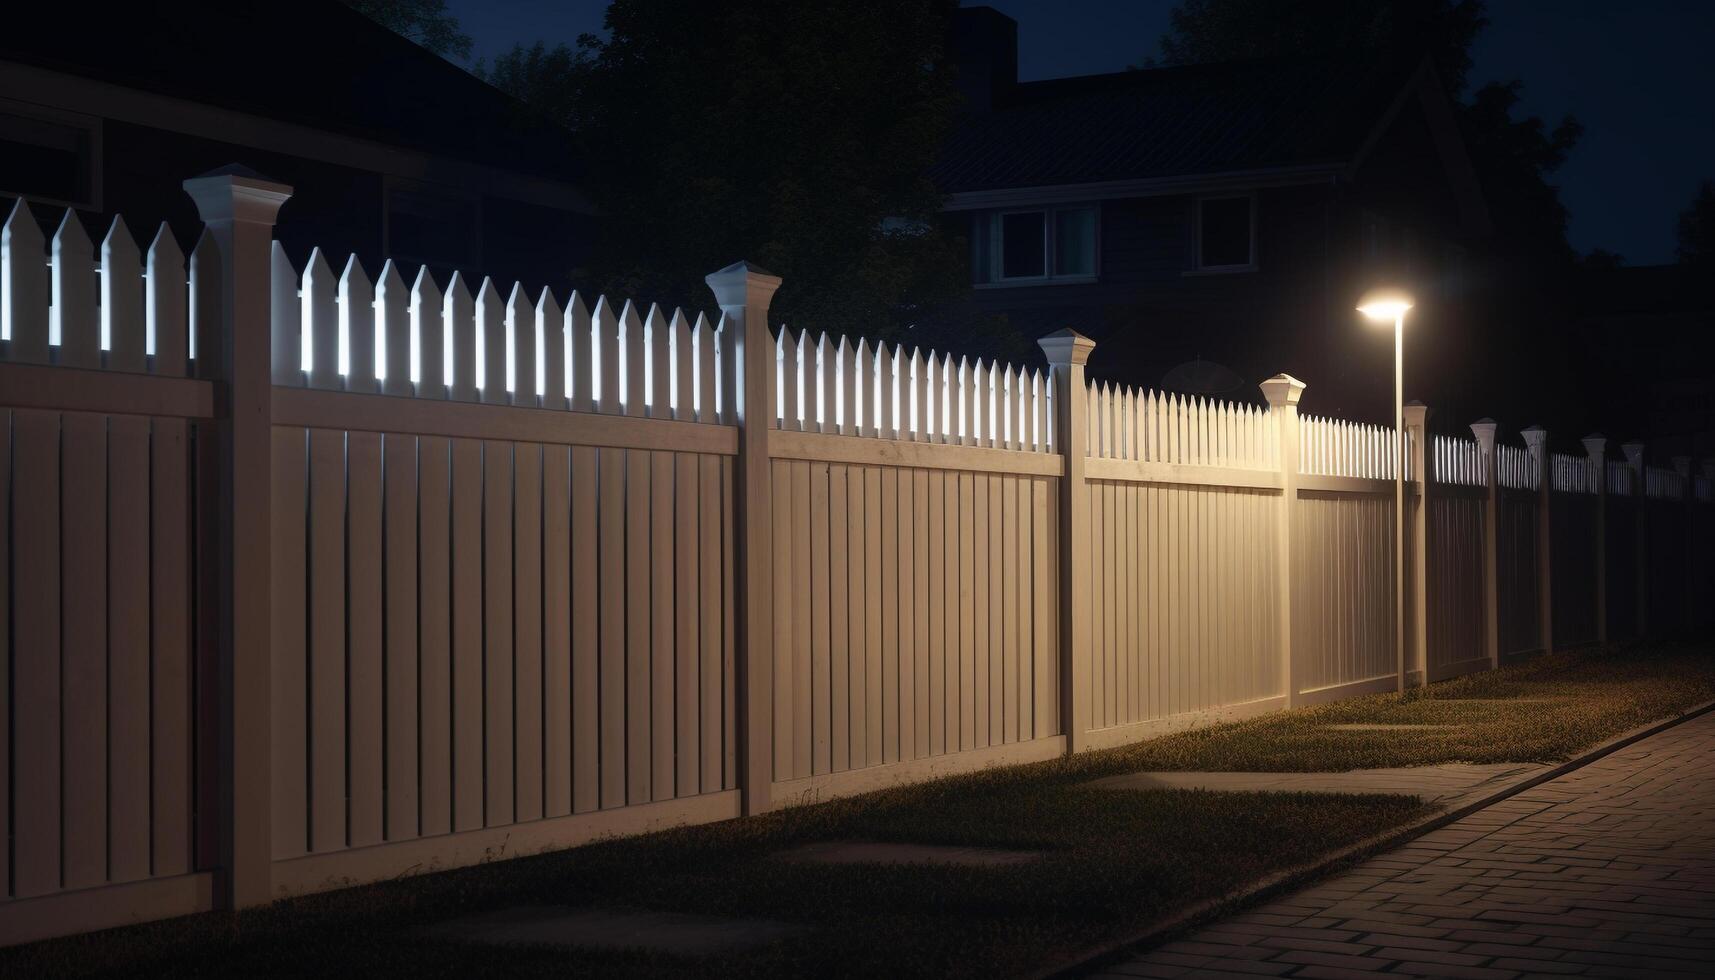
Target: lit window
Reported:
point(1017, 247)
point(1226, 233)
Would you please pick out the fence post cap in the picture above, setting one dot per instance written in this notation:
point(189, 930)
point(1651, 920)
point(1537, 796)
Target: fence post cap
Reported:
point(742, 284)
point(1596, 444)
point(1634, 453)
point(1066, 346)
point(1534, 436)
point(1416, 414)
point(235, 192)
point(1282, 390)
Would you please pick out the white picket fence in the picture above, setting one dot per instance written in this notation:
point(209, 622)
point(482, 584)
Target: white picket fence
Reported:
point(468, 565)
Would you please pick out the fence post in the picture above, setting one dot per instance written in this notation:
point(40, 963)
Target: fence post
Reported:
point(1417, 669)
point(1282, 393)
point(1640, 531)
point(1596, 446)
point(744, 292)
point(1484, 430)
point(1067, 352)
point(1536, 439)
point(239, 207)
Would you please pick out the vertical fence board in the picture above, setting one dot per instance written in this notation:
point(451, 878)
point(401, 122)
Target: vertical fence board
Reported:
point(128, 639)
point(557, 591)
point(435, 612)
point(839, 623)
point(980, 620)
point(821, 687)
point(637, 702)
point(711, 517)
point(612, 661)
point(798, 649)
point(497, 618)
point(877, 736)
point(905, 572)
point(170, 637)
point(399, 548)
point(467, 634)
point(587, 598)
point(364, 691)
point(966, 678)
point(888, 581)
point(661, 631)
point(36, 722)
point(935, 590)
point(688, 768)
point(857, 647)
point(327, 640)
point(1008, 527)
point(83, 544)
point(528, 687)
point(920, 544)
point(729, 714)
point(6, 648)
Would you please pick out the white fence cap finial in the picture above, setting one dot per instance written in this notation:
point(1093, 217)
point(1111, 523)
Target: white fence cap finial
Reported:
point(1282, 389)
point(1067, 346)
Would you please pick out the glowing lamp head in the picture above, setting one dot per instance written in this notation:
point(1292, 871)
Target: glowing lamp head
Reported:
point(1384, 305)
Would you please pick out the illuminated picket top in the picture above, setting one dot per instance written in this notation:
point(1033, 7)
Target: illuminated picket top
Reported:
point(1622, 479)
point(1573, 474)
point(1335, 447)
point(1164, 427)
point(881, 391)
point(115, 307)
point(1456, 461)
point(1663, 484)
point(1516, 468)
point(342, 331)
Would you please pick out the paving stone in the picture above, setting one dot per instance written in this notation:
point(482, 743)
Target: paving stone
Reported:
point(608, 928)
point(882, 852)
point(1606, 871)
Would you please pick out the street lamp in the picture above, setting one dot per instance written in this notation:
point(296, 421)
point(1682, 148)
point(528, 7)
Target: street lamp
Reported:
point(1381, 306)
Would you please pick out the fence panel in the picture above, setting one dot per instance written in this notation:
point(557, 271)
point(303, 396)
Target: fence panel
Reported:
point(100, 531)
point(1572, 555)
point(1343, 609)
point(1516, 587)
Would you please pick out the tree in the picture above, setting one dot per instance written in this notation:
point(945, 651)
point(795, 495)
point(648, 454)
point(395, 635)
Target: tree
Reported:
point(1697, 228)
point(795, 135)
point(426, 22)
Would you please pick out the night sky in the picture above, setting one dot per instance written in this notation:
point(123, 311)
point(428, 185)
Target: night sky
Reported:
point(1639, 75)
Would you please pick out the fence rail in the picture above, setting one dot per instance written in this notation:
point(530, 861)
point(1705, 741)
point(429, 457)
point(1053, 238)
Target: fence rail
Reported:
point(486, 572)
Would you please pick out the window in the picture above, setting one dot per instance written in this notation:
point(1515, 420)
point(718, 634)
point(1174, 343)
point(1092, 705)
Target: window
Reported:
point(1045, 245)
point(1226, 233)
point(49, 157)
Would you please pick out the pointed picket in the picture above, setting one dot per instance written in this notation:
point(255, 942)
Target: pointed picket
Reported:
point(428, 326)
point(580, 369)
point(919, 408)
point(393, 310)
point(633, 396)
point(122, 300)
point(845, 371)
point(459, 311)
point(24, 285)
point(606, 334)
point(491, 343)
point(821, 393)
point(207, 305)
point(321, 321)
point(551, 331)
point(658, 382)
point(683, 385)
point(726, 367)
point(164, 306)
point(704, 341)
point(73, 315)
point(865, 377)
point(521, 375)
point(785, 380)
point(357, 326)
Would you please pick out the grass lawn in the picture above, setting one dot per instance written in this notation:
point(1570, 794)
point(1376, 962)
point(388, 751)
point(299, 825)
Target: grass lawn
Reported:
point(1116, 860)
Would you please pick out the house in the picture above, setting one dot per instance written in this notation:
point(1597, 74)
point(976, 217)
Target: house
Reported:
point(392, 151)
point(1212, 225)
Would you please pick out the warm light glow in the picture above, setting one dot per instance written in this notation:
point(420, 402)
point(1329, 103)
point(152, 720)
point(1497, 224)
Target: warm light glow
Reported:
point(1384, 305)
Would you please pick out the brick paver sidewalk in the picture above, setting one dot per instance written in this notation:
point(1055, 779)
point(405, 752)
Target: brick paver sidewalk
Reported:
point(1607, 871)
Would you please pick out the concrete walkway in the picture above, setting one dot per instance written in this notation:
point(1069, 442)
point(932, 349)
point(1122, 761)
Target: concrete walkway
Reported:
point(1607, 871)
point(1450, 784)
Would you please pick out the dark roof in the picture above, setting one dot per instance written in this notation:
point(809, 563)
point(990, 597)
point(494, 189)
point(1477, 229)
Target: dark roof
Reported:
point(1165, 122)
point(316, 63)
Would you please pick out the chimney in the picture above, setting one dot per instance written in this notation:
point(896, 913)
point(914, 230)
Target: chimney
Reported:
point(984, 50)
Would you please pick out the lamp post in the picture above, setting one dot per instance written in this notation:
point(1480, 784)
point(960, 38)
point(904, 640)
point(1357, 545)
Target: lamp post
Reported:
point(1382, 306)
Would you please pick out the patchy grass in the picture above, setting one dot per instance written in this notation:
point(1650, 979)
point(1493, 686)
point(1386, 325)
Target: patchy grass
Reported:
point(1116, 860)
